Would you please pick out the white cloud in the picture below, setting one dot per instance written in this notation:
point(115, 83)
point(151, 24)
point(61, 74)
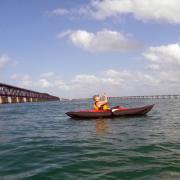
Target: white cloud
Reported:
point(20, 76)
point(102, 41)
point(165, 57)
point(47, 74)
point(147, 79)
point(145, 10)
point(124, 74)
point(162, 78)
point(44, 83)
point(114, 77)
point(114, 82)
point(60, 84)
point(85, 79)
point(24, 80)
point(59, 12)
point(64, 34)
point(15, 76)
point(4, 60)
point(154, 66)
point(129, 78)
point(165, 62)
point(47, 81)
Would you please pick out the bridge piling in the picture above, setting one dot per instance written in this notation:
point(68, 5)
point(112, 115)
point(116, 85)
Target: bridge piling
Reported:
point(3, 100)
point(9, 100)
point(34, 99)
point(20, 99)
point(17, 99)
point(24, 99)
point(13, 99)
point(28, 99)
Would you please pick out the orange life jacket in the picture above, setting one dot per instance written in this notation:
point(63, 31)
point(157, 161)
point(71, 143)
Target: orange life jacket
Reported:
point(103, 107)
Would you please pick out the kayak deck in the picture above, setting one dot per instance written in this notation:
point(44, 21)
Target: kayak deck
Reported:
point(113, 112)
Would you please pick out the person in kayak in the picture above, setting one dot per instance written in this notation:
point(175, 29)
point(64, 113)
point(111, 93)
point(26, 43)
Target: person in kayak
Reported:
point(100, 105)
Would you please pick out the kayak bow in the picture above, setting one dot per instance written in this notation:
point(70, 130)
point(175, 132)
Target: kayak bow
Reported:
point(133, 111)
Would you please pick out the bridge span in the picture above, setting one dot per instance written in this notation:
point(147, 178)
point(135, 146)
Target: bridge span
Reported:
point(175, 96)
point(13, 94)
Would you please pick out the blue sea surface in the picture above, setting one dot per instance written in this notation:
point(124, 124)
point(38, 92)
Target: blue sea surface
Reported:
point(38, 141)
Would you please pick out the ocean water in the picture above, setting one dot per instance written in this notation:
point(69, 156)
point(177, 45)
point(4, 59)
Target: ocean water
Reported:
point(38, 141)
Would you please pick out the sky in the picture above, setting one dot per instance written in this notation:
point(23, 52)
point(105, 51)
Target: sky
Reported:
point(78, 48)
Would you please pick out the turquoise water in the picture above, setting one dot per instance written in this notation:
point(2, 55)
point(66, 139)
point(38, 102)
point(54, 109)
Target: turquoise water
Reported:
point(38, 141)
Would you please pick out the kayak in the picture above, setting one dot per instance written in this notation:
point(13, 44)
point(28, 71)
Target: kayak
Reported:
point(113, 112)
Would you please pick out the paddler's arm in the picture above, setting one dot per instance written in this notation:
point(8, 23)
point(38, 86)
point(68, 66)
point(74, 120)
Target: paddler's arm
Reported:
point(105, 98)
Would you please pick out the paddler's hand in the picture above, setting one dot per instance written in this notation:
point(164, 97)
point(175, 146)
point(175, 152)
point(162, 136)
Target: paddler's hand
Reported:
point(104, 95)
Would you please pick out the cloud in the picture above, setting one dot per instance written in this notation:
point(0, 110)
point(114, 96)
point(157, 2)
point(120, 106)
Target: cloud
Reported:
point(4, 60)
point(163, 11)
point(165, 57)
point(52, 80)
point(47, 81)
point(24, 80)
point(59, 12)
point(64, 34)
point(43, 83)
point(161, 77)
point(113, 77)
point(47, 74)
point(85, 79)
point(60, 84)
point(114, 82)
point(164, 63)
point(130, 78)
point(146, 10)
point(102, 41)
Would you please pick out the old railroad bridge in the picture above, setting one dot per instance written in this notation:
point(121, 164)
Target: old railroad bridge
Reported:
point(12, 94)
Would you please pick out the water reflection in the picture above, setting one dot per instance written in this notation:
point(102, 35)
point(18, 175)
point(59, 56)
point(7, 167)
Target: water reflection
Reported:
point(101, 126)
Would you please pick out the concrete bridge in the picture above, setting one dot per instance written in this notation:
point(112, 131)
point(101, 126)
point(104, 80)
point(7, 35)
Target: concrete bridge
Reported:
point(12, 94)
point(175, 96)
